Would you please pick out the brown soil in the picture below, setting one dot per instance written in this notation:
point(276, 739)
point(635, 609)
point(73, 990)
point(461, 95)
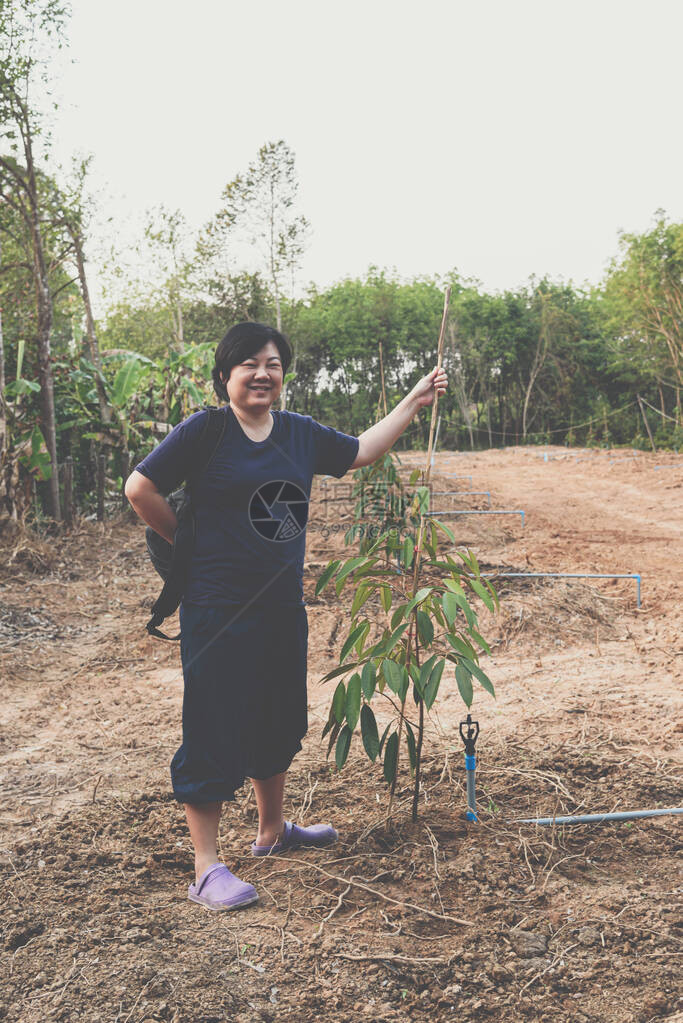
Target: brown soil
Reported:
point(434, 921)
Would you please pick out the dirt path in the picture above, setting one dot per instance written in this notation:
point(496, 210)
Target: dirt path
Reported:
point(561, 924)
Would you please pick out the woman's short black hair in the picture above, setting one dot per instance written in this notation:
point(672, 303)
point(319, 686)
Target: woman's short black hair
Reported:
point(241, 341)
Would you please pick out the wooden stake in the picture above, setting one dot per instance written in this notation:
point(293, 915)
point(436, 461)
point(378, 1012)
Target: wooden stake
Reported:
point(418, 546)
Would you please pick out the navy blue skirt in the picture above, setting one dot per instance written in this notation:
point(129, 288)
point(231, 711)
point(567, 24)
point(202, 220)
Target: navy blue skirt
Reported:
point(245, 706)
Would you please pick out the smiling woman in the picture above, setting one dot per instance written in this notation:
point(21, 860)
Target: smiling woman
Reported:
point(243, 620)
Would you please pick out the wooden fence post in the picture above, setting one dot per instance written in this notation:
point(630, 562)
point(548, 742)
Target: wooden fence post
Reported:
point(100, 487)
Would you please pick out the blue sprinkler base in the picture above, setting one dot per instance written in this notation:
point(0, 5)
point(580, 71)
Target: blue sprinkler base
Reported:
point(472, 816)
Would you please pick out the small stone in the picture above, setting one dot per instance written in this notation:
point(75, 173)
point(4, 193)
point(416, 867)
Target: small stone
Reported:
point(528, 944)
point(589, 936)
point(535, 964)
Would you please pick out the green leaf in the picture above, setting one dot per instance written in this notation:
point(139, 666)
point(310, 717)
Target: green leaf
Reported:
point(342, 750)
point(422, 495)
point(464, 679)
point(189, 385)
point(368, 679)
point(429, 548)
point(346, 570)
point(489, 586)
point(432, 687)
point(390, 757)
point(458, 594)
point(393, 674)
point(480, 640)
point(398, 615)
point(365, 628)
point(455, 587)
point(341, 670)
point(436, 610)
point(461, 645)
point(21, 386)
point(408, 551)
point(360, 596)
point(481, 676)
point(353, 701)
point(126, 382)
point(425, 628)
point(425, 672)
point(418, 598)
point(339, 702)
point(482, 592)
point(385, 596)
point(368, 569)
point(412, 748)
point(405, 682)
point(350, 640)
point(326, 576)
point(330, 723)
point(444, 529)
point(450, 607)
point(368, 728)
point(385, 646)
point(384, 735)
point(333, 738)
point(474, 564)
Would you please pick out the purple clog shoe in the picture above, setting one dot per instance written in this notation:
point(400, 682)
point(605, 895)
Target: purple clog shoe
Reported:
point(217, 888)
point(293, 837)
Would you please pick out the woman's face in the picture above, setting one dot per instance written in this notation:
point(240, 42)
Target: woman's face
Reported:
point(255, 383)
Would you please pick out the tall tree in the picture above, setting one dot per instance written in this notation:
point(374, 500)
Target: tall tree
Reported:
point(643, 295)
point(26, 28)
point(75, 215)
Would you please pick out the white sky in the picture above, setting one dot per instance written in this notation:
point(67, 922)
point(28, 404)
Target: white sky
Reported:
point(501, 137)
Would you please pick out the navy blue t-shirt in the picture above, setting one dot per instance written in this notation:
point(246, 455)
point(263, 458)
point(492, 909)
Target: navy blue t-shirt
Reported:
point(251, 505)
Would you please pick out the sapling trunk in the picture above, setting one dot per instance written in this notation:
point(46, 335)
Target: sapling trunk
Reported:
point(400, 723)
point(418, 547)
point(420, 736)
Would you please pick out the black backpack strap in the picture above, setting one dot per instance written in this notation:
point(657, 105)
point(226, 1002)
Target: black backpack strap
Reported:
point(210, 439)
point(172, 592)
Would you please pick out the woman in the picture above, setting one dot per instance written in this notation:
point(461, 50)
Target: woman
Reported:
point(244, 628)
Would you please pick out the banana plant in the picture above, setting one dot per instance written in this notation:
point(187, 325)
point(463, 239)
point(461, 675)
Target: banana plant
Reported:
point(27, 444)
